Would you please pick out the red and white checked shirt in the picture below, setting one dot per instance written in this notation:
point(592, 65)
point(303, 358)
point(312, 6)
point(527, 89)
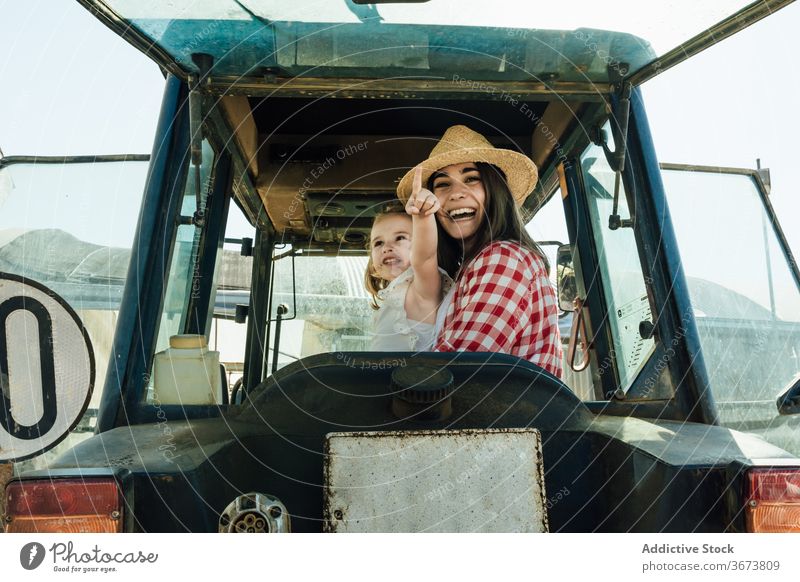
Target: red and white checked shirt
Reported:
point(504, 302)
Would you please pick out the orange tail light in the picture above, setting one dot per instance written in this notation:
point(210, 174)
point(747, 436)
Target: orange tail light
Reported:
point(773, 503)
point(64, 506)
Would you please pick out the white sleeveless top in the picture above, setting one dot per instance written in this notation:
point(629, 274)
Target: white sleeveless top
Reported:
point(393, 331)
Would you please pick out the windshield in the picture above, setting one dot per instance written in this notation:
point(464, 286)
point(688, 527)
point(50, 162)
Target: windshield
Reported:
point(329, 308)
point(512, 38)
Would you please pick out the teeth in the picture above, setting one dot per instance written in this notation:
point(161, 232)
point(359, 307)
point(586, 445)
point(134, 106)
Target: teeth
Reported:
point(462, 212)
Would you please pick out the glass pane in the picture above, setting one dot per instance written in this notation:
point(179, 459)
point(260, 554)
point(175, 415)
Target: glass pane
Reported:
point(50, 233)
point(183, 270)
point(510, 36)
point(183, 280)
point(550, 225)
point(232, 288)
point(619, 267)
point(745, 298)
point(739, 259)
point(332, 309)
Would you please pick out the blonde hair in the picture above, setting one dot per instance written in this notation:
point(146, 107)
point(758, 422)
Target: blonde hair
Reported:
point(372, 282)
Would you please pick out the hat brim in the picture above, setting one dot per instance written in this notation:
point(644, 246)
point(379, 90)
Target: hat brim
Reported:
point(521, 173)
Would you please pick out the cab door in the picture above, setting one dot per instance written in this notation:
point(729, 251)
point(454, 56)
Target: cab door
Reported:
point(744, 287)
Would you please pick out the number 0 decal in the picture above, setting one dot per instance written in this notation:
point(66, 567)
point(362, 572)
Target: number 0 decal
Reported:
point(46, 368)
point(46, 361)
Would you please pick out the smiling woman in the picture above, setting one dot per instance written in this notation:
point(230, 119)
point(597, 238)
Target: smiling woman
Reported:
point(502, 300)
point(460, 191)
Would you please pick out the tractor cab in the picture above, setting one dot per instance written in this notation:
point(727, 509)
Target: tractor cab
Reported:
point(284, 131)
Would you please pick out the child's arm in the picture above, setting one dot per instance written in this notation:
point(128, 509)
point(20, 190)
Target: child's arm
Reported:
point(423, 204)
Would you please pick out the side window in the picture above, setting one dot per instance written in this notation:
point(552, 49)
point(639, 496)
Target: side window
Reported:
point(50, 233)
point(745, 298)
point(231, 289)
point(184, 278)
point(328, 306)
point(619, 268)
point(548, 227)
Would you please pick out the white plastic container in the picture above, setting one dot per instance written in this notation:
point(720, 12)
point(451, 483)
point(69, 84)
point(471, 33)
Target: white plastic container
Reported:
point(187, 373)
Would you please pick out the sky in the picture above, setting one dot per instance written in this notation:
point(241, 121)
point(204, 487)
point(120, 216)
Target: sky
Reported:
point(71, 86)
point(734, 103)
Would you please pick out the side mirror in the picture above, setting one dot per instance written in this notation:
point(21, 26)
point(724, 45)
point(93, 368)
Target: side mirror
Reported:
point(566, 286)
point(789, 401)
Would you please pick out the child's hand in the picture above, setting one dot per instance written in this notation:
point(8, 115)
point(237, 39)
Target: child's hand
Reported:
point(422, 202)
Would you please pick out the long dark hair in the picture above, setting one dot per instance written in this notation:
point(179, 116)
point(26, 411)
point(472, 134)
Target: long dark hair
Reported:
point(502, 221)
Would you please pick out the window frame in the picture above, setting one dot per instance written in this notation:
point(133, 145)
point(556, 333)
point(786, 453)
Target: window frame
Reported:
point(664, 280)
point(142, 303)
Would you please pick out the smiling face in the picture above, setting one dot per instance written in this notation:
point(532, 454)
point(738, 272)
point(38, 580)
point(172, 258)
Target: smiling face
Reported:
point(390, 245)
point(461, 193)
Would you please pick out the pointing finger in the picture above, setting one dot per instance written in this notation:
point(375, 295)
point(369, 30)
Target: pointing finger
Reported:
point(416, 185)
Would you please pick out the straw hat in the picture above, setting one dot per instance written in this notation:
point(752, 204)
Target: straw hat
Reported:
point(459, 145)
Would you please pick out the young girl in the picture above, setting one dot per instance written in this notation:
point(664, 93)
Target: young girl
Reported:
point(502, 300)
point(403, 274)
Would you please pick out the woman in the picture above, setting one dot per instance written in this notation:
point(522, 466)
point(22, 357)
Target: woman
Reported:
point(502, 300)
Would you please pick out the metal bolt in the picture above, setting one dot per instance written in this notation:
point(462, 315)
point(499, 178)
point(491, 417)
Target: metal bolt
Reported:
point(338, 514)
point(275, 512)
point(753, 503)
point(8, 519)
point(115, 514)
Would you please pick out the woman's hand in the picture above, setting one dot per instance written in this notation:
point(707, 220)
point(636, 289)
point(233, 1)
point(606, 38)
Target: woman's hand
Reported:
point(422, 202)
point(425, 292)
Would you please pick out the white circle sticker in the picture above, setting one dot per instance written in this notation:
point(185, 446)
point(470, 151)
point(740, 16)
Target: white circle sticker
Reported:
point(47, 368)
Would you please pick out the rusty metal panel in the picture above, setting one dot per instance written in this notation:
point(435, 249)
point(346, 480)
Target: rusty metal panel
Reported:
point(435, 481)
